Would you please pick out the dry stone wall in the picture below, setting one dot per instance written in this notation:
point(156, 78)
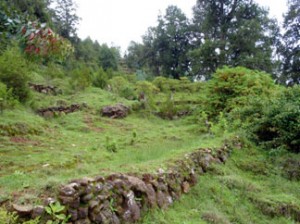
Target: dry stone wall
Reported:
point(52, 111)
point(45, 89)
point(123, 198)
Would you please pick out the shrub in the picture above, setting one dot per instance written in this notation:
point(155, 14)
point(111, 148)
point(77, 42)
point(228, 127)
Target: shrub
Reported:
point(56, 211)
point(122, 87)
point(166, 84)
point(167, 109)
point(81, 77)
point(234, 87)
point(291, 169)
point(278, 125)
point(100, 78)
point(203, 122)
point(181, 85)
point(221, 126)
point(143, 76)
point(146, 87)
point(40, 42)
point(128, 93)
point(14, 74)
point(6, 97)
point(111, 145)
point(54, 70)
point(8, 218)
point(146, 91)
point(132, 78)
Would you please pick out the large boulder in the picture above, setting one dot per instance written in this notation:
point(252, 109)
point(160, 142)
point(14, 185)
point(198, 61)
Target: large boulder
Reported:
point(116, 111)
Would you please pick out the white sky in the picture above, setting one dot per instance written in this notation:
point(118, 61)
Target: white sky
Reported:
point(117, 22)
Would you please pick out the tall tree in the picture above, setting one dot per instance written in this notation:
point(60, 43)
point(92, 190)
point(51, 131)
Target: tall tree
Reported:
point(168, 43)
point(96, 55)
point(234, 33)
point(291, 44)
point(152, 61)
point(134, 57)
point(66, 20)
point(109, 57)
point(86, 50)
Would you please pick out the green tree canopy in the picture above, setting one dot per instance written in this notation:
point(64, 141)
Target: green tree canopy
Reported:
point(134, 57)
point(234, 33)
point(66, 19)
point(96, 55)
point(166, 45)
point(291, 42)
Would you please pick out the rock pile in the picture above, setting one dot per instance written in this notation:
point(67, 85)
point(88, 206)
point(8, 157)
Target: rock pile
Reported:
point(123, 198)
point(51, 111)
point(116, 111)
point(44, 89)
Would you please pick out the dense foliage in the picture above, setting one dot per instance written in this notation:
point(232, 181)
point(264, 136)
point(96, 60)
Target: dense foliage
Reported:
point(189, 83)
point(278, 126)
point(234, 87)
point(14, 73)
point(39, 41)
point(168, 43)
point(233, 33)
point(291, 44)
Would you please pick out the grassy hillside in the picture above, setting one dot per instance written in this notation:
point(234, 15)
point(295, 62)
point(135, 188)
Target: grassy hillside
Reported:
point(259, 183)
point(251, 188)
point(38, 154)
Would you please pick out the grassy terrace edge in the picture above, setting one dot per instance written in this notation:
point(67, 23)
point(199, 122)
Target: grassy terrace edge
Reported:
point(123, 198)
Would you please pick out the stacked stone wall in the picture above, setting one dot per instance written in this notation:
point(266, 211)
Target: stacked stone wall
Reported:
point(124, 198)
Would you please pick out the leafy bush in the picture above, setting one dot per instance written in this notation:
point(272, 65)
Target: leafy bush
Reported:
point(100, 78)
point(128, 93)
point(14, 74)
point(221, 126)
point(122, 87)
point(116, 84)
point(146, 91)
point(56, 211)
point(146, 87)
point(81, 77)
point(8, 218)
point(54, 70)
point(110, 144)
point(6, 98)
point(181, 85)
point(164, 84)
point(291, 169)
point(233, 87)
point(132, 78)
point(40, 42)
point(278, 125)
point(167, 109)
point(203, 122)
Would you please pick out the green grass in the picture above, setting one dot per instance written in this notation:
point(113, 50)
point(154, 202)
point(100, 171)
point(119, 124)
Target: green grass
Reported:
point(236, 194)
point(38, 154)
point(77, 145)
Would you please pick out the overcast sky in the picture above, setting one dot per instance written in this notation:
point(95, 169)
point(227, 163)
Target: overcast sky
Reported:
point(117, 22)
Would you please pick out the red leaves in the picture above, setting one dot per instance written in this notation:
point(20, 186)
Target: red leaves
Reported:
point(50, 31)
point(31, 36)
point(41, 42)
point(23, 31)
